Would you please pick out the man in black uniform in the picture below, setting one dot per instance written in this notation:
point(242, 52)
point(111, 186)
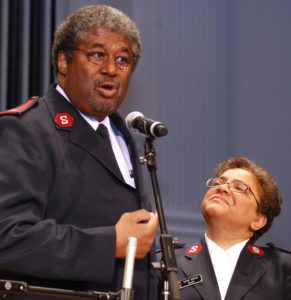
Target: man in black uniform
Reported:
point(239, 206)
point(68, 200)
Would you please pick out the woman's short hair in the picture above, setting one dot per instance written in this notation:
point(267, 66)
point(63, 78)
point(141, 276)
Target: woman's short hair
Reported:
point(270, 199)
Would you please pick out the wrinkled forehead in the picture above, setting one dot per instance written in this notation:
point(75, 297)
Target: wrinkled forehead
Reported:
point(94, 31)
point(102, 37)
point(240, 174)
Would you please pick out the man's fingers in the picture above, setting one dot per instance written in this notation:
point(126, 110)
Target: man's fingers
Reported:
point(141, 216)
point(154, 219)
point(140, 224)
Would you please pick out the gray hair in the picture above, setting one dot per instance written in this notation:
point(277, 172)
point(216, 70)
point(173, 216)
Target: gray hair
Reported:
point(74, 30)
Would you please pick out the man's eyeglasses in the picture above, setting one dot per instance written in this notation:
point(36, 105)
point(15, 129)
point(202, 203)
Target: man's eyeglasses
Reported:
point(99, 58)
point(234, 185)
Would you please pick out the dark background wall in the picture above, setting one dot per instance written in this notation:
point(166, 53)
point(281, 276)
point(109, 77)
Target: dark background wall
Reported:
point(218, 73)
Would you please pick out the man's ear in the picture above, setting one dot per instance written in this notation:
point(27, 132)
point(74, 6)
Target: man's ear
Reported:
point(259, 223)
point(62, 63)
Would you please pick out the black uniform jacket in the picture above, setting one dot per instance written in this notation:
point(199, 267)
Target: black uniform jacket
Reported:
point(60, 199)
point(260, 274)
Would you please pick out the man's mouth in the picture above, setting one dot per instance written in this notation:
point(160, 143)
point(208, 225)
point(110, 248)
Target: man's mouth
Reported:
point(107, 89)
point(107, 86)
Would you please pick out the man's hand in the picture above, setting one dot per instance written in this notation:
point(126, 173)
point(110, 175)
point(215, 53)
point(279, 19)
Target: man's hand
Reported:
point(140, 224)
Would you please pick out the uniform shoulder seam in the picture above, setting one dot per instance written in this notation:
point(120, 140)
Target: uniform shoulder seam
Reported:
point(272, 246)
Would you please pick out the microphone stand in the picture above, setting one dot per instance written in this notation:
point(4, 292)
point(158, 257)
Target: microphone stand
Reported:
point(168, 264)
point(22, 288)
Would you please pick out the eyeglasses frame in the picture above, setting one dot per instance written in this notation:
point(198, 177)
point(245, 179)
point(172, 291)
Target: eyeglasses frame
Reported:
point(88, 53)
point(228, 183)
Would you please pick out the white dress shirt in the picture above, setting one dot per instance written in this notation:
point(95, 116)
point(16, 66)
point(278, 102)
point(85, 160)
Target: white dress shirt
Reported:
point(117, 142)
point(224, 262)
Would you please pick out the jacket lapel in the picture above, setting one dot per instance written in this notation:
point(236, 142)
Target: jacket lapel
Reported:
point(200, 263)
point(249, 269)
point(134, 157)
point(83, 136)
point(80, 132)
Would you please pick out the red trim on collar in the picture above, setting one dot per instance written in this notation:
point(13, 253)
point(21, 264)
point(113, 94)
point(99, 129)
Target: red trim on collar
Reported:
point(64, 120)
point(255, 250)
point(195, 249)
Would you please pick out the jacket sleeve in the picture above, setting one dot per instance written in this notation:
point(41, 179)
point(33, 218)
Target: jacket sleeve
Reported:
point(30, 243)
point(287, 271)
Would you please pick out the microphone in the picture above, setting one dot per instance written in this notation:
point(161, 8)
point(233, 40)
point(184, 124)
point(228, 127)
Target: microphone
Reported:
point(136, 121)
point(127, 291)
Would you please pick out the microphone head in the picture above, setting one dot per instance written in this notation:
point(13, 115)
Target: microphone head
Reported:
point(130, 119)
point(160, 130)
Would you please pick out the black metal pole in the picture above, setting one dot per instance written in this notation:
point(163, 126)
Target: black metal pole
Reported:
point(22, 288)
point(169, 263)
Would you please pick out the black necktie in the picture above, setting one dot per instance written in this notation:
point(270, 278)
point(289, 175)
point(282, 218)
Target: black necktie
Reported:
point(102, 131)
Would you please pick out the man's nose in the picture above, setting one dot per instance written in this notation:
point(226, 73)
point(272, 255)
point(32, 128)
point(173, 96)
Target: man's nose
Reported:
point(109, 67)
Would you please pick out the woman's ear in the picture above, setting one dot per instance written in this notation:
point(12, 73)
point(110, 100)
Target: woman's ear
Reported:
point(62, 63)
point(259, 223)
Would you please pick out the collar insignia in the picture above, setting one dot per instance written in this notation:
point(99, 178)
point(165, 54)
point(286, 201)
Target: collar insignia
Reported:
point(64, 120)
point(255, 250)
point(194, 249)
point(189, 281)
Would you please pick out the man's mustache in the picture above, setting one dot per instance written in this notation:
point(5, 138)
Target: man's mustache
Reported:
point(106, 79)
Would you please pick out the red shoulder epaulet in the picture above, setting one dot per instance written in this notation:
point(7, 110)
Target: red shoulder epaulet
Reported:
point(21, 108)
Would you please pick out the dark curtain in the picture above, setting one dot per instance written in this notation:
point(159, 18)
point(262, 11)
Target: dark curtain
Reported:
point(26, 31)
